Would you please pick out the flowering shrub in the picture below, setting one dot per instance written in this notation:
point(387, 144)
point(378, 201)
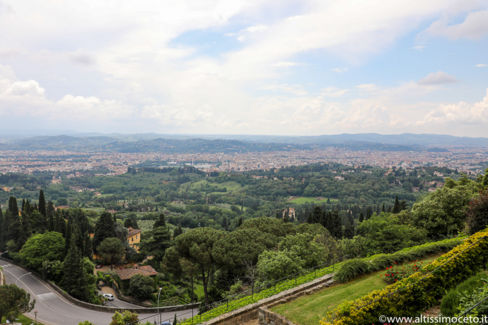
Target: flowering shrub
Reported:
point(397, 272)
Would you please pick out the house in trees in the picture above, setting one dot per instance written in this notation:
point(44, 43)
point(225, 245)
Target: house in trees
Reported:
point(134, 238)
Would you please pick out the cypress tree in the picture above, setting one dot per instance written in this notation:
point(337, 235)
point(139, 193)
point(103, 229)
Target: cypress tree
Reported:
point(178, 231)
point(42, 204)
point(397, 207)
point(74, 279)
point(104, 228)
point(161, 222)
point(50, 215)
point(69, 236)
point(12, 206)
point(60, 224)
point(15, 231)
point(1, 229)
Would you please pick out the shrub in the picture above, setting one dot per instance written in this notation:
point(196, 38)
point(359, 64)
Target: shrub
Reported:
point(476, 302)
point(141, 287)
point(451, 301)
point(421, 290)
point(397, 272)
point(351, 270)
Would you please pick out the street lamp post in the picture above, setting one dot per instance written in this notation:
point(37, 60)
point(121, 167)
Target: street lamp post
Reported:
point(35, 315)
point(159, 311)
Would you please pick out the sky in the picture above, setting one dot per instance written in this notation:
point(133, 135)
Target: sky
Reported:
point(281, 67)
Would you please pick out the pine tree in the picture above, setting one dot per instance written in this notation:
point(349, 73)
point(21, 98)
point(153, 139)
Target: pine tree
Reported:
point(174, 320)
point(42, 204)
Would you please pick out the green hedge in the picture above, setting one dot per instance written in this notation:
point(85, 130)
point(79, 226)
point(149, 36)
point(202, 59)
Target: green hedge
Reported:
point(402, 255)
point(352, 269)
point(357, 267)
point(421, 290)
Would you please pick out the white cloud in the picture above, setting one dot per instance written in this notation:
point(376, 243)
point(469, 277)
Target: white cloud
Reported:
point(481, 65)
point(474, 26)
point(339, 70)
point(437, 78)
point(29, 88)
point(333, 92)
point(27, 99)
point(460, 113)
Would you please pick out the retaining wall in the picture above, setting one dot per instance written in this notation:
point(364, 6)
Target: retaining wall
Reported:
point(267, 317)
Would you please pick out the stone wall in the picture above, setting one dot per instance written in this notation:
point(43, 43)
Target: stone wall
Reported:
point(267, 317)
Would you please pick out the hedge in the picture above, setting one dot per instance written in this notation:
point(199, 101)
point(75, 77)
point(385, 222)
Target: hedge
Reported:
point(421, 290)
point(357, 267)
point(410, 253)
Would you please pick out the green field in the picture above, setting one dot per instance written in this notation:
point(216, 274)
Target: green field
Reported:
point(311, 200)
point(310, 309)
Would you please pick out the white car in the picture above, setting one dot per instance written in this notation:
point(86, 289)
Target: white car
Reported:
point(108, 296)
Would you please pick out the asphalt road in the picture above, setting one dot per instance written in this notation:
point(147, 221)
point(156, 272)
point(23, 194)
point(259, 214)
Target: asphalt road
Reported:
point(53, 309)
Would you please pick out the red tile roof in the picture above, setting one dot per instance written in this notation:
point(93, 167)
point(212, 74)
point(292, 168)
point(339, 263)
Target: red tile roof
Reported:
point(133, 232)
point(126, 274)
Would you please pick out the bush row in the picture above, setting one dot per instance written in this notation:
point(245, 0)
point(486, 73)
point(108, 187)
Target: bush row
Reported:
point(357, 267)
point(411, 252)
point(421, 290)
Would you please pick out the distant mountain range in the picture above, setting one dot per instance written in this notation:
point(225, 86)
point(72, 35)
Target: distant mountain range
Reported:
point(243, 143)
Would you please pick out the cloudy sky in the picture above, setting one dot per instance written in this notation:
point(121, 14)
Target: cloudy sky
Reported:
point(291, 67)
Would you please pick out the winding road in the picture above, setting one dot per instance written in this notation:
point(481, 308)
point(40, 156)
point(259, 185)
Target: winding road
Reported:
point(53, 309)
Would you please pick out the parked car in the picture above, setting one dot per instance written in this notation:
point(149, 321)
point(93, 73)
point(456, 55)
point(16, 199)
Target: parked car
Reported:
point(108, 296)
point(166, 322)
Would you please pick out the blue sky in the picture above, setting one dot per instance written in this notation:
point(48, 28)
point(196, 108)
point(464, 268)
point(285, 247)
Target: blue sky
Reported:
point(245, 67)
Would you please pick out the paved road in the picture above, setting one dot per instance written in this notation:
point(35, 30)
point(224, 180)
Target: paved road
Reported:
point(53, 309)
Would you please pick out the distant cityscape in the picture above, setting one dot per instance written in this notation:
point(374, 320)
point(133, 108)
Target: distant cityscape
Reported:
point(468, 160)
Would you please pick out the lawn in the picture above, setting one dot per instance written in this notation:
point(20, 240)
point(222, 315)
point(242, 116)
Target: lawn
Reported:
point(310, 309)
point(314, 200)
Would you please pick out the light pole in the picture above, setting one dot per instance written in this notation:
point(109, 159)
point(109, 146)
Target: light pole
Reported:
point(159, 311)
point(35, 314)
